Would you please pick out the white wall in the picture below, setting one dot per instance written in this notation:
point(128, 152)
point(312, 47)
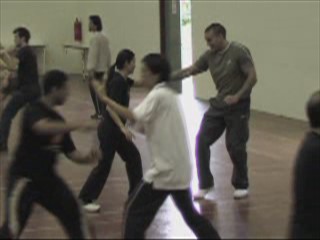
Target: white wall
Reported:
point(284, 40)
point(129, 24)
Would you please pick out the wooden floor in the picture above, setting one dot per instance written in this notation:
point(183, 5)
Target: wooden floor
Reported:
point(272, 147)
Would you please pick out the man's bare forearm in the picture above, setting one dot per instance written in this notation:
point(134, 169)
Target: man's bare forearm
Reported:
point(120, 110)
point(180, 75)
point(184, 73)
point(11, 63)
point(79, 157)
point(248, 84)
point(116, 118)
point(54, 127)
point(8, 68)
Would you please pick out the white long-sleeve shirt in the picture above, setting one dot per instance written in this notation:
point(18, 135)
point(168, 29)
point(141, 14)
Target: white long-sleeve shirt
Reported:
point(99, 56)
point(161, 115)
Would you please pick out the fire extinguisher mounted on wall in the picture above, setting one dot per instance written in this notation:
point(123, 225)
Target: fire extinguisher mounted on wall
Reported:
point(78, 30)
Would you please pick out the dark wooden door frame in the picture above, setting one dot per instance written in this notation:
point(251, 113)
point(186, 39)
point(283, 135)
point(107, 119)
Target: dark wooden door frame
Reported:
point(170, 36)
point(162, 8)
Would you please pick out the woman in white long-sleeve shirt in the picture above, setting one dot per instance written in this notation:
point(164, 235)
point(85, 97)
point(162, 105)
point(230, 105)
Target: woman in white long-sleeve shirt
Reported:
point(170, 172)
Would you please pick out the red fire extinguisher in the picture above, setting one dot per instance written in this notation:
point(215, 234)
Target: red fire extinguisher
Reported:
point(78, 30)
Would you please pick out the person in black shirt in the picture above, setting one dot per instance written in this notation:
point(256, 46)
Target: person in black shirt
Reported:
point(32, 177)
point(306, 209)
point(114, 136)
point(28, 88)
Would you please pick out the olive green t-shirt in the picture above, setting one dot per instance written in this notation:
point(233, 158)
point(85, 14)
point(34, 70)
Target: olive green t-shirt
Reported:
point(226, 70)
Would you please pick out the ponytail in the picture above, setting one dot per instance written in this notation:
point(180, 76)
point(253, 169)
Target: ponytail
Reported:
point(111, 73)
point(123, 57)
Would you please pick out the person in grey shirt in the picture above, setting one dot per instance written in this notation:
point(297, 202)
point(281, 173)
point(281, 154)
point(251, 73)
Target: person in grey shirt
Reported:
point(233, 72)
point(99, 60)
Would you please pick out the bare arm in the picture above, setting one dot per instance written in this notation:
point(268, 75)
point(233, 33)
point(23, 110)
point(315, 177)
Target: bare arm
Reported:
point(11, 50)
point(46, 126)
point(2, 64)
point(115, 117)
point(11, 63)
point(125, 130)
point(80, 158)
point(245, 61)
point(138, 83)
point(184, 73)
point(122, 111)
point(249, 70)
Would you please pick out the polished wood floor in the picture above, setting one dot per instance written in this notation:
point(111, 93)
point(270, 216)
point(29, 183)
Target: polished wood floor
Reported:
point(272, 147)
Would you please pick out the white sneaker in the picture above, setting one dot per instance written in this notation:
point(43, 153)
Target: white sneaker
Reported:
point(241, 193)
point(92, 207)
point(201, 194)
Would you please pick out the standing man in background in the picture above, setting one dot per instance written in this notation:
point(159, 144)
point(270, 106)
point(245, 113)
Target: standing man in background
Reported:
point(233, 72)
point(28, 88)
point(99, 60)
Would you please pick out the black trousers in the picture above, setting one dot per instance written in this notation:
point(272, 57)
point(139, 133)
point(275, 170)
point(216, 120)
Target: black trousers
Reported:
point(99, 106)
point(145, 202)
point(305, 231)
point(112, 140)
point(18, 100)
point(235, 120)
point(52, 194)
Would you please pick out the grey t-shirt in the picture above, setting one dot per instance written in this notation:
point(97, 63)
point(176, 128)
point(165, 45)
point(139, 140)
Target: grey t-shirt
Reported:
point(226, 70)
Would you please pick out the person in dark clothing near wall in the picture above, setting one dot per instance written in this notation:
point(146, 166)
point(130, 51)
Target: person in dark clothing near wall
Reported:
point(28, 88)
point(305, 223)
point(32, 177)
point(114, 136)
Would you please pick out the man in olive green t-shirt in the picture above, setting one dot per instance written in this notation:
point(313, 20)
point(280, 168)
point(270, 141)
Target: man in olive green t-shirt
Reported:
point(233, 72)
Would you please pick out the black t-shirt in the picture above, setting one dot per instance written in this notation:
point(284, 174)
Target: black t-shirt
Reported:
point(28, 76)
point(119, 90)
point(306, 218)
point(36, 154)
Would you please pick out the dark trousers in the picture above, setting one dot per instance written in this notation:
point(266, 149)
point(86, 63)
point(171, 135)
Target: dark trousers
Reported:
point(145, 202)
point(52, 194)
point(235, 120)
point(18, 100)
point(112, 140)
point(305, 231)
point(98, 104)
